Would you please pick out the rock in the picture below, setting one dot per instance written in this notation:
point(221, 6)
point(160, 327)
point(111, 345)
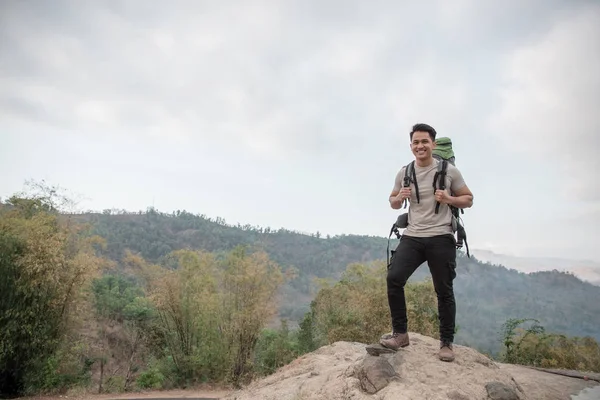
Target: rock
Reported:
point(375, 373)
point(456, 395)
point(500, 391)
point(377, 349)
point(343, 370)
point(544, 386)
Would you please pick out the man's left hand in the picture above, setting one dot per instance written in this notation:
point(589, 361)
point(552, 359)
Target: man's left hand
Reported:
point(443, 197)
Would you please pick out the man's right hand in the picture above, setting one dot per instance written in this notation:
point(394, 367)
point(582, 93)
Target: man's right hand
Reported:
point(397, 200)
point(404, 194)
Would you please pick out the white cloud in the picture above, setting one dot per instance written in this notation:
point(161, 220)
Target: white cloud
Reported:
point(550, 101)
point(282, 80)
point(310, 102)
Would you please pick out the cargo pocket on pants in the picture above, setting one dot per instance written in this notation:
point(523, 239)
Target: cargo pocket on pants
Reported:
point(452, 266)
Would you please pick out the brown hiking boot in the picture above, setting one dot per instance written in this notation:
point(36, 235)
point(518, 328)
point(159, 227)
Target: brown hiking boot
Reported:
point(446, 353)
point(395, 340)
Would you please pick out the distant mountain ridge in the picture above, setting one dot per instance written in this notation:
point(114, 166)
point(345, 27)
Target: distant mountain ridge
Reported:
point(584, 269)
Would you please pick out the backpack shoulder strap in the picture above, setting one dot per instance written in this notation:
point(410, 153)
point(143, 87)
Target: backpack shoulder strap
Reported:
point(410, 176)
point(439, 180)
point(408, 171)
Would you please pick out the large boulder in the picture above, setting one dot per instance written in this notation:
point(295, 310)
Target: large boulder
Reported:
point(346, 370)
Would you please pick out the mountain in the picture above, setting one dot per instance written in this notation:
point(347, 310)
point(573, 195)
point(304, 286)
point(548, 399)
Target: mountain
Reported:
point(583, 269)
point(487, 294)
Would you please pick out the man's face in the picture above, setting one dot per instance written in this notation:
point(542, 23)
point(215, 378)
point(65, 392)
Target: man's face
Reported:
point(422, 145)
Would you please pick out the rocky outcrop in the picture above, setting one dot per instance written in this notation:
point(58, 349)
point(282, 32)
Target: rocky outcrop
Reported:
point(346, 370)
point(501, 391)
point(374, 373)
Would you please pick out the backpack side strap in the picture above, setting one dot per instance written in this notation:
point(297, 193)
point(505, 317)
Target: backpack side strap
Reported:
point(461, 236)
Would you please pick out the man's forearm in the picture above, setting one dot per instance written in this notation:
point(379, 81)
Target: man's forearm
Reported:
point(395, 202)
point(464, 201)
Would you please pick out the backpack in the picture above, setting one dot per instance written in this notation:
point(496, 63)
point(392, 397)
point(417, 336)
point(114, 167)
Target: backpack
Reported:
point(445, 154)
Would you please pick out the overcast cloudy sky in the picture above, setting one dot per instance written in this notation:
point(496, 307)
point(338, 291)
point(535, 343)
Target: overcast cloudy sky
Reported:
point(297, 113)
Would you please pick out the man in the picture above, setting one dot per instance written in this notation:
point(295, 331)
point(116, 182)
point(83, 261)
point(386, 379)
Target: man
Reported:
point(428, 237)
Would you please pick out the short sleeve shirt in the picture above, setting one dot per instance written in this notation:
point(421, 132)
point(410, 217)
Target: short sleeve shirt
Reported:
point(422, 219)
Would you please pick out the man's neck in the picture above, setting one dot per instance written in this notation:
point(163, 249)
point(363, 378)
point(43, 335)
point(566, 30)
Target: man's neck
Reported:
point(424, 163)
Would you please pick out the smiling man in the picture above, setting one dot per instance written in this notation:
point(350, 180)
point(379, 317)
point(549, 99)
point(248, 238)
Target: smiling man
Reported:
point(429, 236)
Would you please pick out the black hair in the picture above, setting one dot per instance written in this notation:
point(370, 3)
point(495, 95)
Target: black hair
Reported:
point(423, 128)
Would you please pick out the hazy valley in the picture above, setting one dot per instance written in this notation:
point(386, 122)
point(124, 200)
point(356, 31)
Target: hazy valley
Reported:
point(584, 269)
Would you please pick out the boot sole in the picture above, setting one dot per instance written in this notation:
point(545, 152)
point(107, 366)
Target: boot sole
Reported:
point(394, 348)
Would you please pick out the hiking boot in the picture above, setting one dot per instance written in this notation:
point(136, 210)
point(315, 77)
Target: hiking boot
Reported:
point(446, 353)
point(395, 340)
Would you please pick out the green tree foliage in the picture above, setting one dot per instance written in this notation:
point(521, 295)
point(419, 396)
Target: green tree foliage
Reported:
point(356, 308)
point(187, 302)
point(488, 294)
point(44, 264)
point(153, 235)
point(534, 346)
point(307, 341)
point(125, 327)
point(512, 347)
point(276, 348)
point(212, 310)
point(118, 298)
point(250, 284)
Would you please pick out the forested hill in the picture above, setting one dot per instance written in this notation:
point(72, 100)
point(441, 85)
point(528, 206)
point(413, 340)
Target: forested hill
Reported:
point(155, 234)
point(487, 295)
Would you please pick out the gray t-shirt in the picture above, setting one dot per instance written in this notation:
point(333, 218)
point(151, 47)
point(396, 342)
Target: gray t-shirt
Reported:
point(422, 219)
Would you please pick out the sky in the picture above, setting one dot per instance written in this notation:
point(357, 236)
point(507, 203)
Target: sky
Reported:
point(296, 114)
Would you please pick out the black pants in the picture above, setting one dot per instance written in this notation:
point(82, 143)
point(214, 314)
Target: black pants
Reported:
point(440, 254)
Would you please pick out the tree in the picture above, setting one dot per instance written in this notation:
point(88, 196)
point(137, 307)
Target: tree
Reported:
point(356, 308)
point(534, 346)
point(250, 283)
point(512, 346)
point(187, 302)
point(45, 265)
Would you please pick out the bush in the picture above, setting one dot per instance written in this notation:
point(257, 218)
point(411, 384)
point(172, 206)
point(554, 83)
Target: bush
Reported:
point(534, 346)
point(356, 308)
